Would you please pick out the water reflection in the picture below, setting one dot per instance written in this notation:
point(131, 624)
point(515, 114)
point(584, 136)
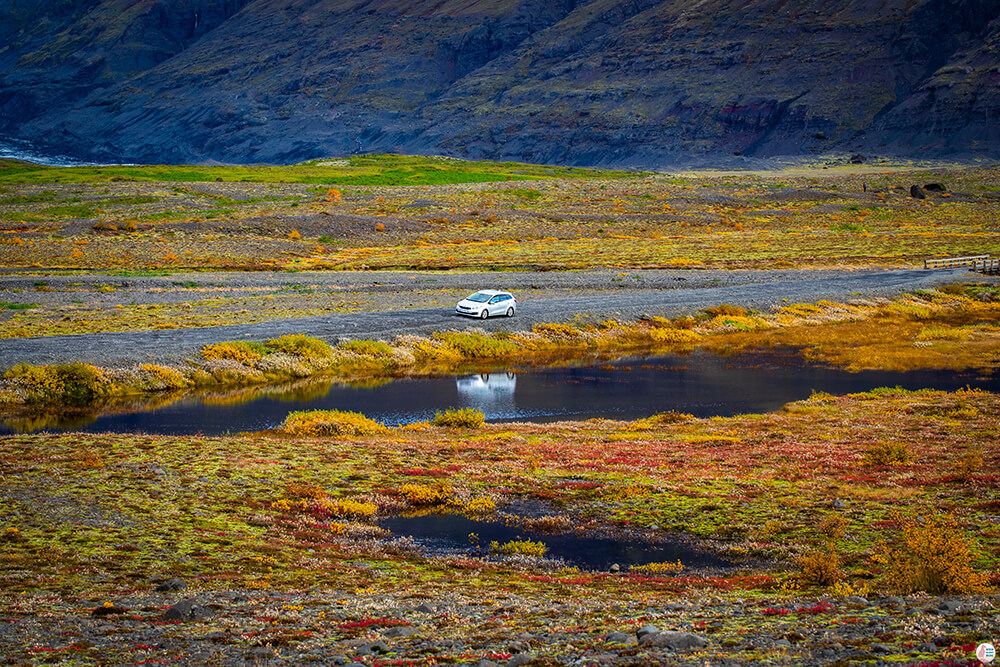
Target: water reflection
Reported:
point(701, 384)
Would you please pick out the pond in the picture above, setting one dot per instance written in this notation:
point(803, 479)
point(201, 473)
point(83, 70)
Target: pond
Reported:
point(700, 383)
point(455, 535)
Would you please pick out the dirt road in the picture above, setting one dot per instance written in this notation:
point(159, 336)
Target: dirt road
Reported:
point(553, 297)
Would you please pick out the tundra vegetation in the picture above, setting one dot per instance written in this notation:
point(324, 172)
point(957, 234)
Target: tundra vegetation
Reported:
point(825, 506)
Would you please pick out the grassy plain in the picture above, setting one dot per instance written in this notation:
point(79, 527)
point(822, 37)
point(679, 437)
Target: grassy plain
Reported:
point(409, 213)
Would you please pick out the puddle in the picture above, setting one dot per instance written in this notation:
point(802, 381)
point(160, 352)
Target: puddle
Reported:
point(461, 536)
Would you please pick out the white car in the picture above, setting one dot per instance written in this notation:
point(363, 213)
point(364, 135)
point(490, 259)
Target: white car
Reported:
point(487, 302)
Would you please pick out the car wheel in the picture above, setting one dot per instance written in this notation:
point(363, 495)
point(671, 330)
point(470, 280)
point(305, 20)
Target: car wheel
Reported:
point(483, 315)
point(510, 312)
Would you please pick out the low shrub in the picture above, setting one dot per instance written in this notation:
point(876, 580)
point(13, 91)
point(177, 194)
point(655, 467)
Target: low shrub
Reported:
point(514, 547)
point(459, 418)
point(658, 569)
point(367, 348)
point(932, 556)
point(74, 383)
point(426, 495)
point(725, 309)
point(301, 345)
point(240, 351)
point(330, 422)
point(820, 568)
point(969, 464)
point(472, 345)
point(673, 336)
point(166, 378)
point(887, 454)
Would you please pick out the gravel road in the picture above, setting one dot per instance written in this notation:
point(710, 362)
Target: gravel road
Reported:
point(543, 297)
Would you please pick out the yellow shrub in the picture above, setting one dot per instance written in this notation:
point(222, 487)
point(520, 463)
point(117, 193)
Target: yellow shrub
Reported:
point(887, 454)
point(301, 345)
point(168, 376)
point(526, 547)
point(73, 383)
point(668, 335)
point(658, 568)
point(476, 506)
point(471, 345)
point(459, 418)
point(347, 507)
point(931, 556)
point(969, 463)
point(330, 422)
point(820, 567)
point(420, 494)
point(241, 351)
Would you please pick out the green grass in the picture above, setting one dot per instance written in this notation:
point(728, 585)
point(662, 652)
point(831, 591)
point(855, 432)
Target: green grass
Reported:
point(375, 170)
point(7, 305)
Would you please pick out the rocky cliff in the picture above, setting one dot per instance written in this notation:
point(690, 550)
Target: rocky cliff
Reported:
point(594, 82)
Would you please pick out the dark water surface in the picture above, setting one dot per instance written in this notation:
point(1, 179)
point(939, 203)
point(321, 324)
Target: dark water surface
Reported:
point(455, 534)
point(701, 384)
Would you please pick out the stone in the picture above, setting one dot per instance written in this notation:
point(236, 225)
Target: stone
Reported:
point(783, 643)
point(400, 631)
point(881, 648)
point(857, 600)
point(926, 647)
point(916, 192)
point(618, 638)
point(677, 641)
point(615, 568)
point(935, 187)
point(487, 663)
point(838, 504)
point(646, 630)
point(425, 608)
point(857, 158)
point(171, 585)
point(187, 610)
point(520, 659)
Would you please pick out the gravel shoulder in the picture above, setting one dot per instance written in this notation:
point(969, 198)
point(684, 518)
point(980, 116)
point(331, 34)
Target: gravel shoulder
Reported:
point(401, 303)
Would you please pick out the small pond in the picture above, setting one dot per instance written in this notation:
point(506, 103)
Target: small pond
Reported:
point(700, 383)
point(460, 536)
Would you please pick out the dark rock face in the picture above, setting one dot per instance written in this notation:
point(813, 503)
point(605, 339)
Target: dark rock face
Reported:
point(626, 82)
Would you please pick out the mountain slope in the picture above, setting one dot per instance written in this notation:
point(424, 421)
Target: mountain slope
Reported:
point(601, 82)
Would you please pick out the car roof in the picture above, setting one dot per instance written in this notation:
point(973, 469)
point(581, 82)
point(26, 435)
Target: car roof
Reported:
point(494, 292)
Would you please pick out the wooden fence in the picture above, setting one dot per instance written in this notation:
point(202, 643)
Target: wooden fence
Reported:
point(948, 262)
point(988, 266)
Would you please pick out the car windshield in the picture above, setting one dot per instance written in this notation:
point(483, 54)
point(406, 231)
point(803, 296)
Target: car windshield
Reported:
point(479, 297)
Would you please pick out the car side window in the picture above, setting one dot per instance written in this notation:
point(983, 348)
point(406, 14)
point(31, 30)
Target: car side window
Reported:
point(496, 299)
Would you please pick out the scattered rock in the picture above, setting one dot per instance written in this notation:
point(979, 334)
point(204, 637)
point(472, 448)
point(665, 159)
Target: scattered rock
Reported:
point(926, 647)
point(615, 568)
point(187, 610)
point(677, 641)
point(425, 608)
point(881, 648)
point(783, 643)
point(618, 638)
point(520, 659)
point(171, 585)
point(838, 504)
point(935, 187)
point(857, 158)
point(857, 600)
point(916, 192)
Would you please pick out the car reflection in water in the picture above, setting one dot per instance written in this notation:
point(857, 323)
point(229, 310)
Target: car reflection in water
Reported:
point(490, 393)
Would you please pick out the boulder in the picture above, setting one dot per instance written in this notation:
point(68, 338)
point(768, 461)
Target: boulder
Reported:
point(171, 585)
point(935, 187)
point(916, 192)
point(187, 610)
point(676, 641)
